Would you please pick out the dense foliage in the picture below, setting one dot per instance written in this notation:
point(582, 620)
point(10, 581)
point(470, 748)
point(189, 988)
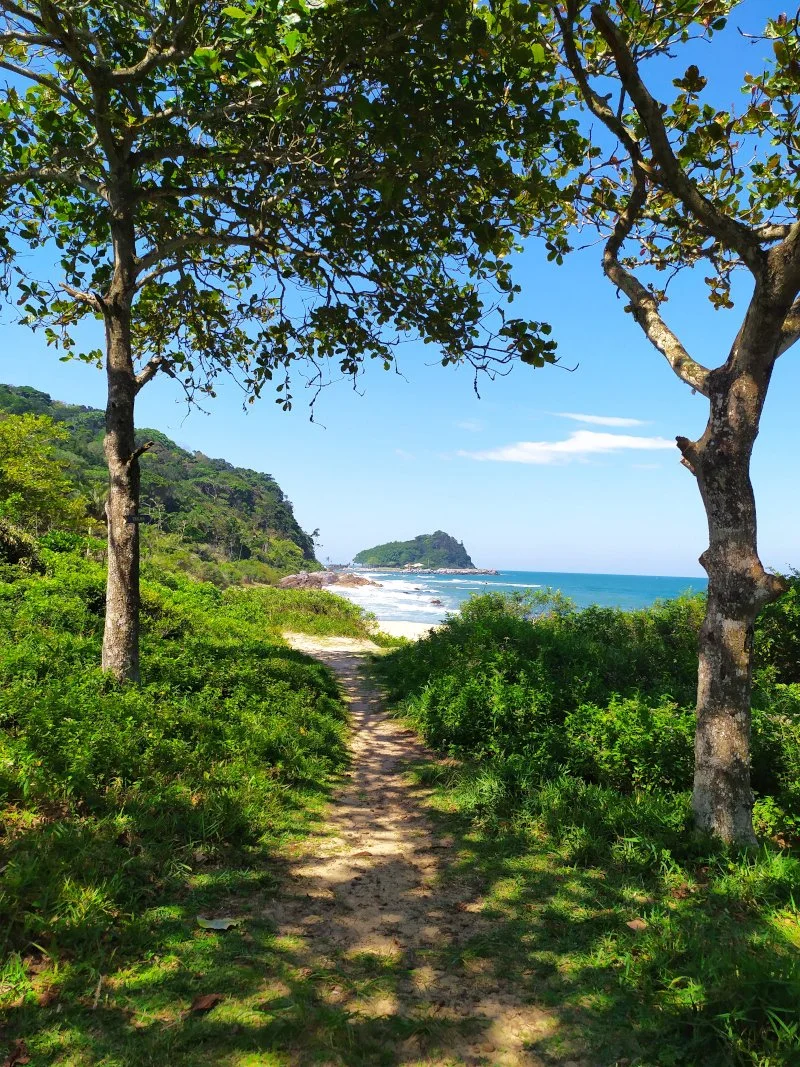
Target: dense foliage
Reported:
point(115, 797)
point(217, 522)
point(602, 694)
point(570, 742)
point(35, 490)
point(438, 549)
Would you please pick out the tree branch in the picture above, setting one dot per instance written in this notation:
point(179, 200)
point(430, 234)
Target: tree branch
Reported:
point(49, 83)
point(670, 173)
point(150, 370)
point(644, 305)
point(140, 451)
point(596, 103)
point(168, 250)
point(52, 174)
point(772, 231)
point(83, 297)
point(790, 333)
point(155, 56)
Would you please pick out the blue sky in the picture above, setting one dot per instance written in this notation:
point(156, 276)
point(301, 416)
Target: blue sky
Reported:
point(531, 476)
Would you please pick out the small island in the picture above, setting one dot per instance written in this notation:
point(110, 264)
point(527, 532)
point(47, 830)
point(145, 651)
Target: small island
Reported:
point(438, 552)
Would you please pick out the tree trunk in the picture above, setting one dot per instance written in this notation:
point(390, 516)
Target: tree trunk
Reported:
point(738, 588)
point(121, 636)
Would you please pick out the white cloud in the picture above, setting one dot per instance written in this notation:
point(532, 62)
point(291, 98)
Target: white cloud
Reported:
point(473, 425)
point(578, 445)
point(599, 420)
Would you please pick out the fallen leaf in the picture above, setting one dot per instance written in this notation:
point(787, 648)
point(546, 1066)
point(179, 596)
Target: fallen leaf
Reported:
point(47, 997)
point(216, 924)
point(205, 1002)
point(637, 924)
point(18, 1054)
point(356, 855)
point(36, 964)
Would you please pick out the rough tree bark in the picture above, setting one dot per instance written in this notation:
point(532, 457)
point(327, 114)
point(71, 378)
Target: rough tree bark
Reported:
point(738, 588)
point(121, 635)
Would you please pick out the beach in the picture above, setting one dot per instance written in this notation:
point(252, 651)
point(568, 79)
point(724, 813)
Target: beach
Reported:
point(409, 604)
point(412, 630)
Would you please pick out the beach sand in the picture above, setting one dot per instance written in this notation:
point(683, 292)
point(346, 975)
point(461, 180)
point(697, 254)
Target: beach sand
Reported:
point(412, 630)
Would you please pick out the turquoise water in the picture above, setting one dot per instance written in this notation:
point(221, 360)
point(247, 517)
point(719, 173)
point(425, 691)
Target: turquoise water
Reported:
point(407, 597)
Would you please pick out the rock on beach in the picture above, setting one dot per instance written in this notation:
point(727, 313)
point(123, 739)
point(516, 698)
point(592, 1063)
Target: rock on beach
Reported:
point(320, 579)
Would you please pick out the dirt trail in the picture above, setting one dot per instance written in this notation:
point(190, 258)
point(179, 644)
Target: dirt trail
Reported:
point(369, 890)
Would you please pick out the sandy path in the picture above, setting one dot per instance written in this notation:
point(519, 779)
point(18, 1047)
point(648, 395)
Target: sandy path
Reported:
point(370, 888)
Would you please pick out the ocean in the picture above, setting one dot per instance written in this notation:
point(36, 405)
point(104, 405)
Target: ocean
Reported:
point(408, 597)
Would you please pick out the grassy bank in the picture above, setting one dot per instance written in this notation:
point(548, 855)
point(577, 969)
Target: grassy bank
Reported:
point(568, 788)
point(126, 812)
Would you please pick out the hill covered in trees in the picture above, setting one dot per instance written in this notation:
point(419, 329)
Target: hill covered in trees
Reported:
point(438, 549)
point(211, 519)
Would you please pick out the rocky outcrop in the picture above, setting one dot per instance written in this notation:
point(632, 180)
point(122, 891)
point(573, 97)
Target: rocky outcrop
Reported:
point(320, 579)
point(464, 570)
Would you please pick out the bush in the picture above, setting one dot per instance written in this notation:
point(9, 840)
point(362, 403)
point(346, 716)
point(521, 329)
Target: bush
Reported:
point(631, 743)
point(540, 689)
point(18, 548)
point(776, 648)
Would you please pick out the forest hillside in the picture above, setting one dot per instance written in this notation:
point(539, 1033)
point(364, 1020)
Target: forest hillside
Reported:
point(215, 521)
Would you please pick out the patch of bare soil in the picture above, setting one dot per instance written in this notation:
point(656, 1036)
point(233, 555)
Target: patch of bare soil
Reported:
point(371, 888)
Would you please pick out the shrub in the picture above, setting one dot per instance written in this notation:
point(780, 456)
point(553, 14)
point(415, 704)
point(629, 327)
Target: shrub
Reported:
point(631, 743)
point(18, 548)
point(539, 688)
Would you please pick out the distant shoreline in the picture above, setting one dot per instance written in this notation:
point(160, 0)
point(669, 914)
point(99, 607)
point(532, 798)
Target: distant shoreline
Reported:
point(425, 570)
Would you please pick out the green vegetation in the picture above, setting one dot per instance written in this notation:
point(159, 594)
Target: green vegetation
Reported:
point(438, 549)
point(212, 520)
point(570, 736)
point(127, 811)
point(35, 491)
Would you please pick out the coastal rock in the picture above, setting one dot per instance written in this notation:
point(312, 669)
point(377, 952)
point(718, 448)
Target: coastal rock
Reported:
point(464, 570)
point(438, 603)
point(320, 579)
point(353, 579)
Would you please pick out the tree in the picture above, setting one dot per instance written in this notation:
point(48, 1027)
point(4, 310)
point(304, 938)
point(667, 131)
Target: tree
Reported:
point(35, 492)
point(681, 185)
point(238, 187)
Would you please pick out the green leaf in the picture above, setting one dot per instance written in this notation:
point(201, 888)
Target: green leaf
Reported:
point(537, 53)
point(291, 42)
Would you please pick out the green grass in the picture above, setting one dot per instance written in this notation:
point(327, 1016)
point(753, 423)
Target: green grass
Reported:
point(713, 977)
point(126, 812)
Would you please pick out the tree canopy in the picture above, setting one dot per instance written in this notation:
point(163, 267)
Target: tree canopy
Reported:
point(237, 188)
point(35, 490)
point(299, 179)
